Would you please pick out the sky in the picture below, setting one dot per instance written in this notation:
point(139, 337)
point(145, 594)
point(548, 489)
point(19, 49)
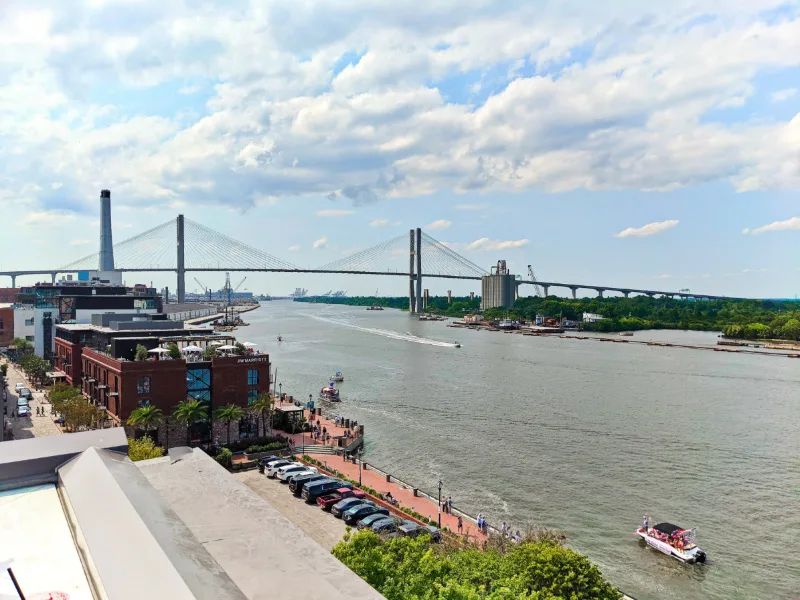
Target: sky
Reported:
point(643, 145)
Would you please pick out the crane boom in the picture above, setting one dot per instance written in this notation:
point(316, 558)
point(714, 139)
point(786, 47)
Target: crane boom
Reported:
point(204, 288)
point(535, 284)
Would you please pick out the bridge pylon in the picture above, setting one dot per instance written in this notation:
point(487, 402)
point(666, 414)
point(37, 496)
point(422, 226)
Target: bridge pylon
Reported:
point(181, 265)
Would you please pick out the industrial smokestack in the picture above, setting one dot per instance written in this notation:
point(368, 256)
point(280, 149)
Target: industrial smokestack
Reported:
point(106, 245)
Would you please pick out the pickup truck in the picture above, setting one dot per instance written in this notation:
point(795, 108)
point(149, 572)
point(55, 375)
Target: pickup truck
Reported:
point(327, 501)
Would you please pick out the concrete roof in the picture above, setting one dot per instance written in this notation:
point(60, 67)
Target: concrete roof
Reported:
point(265, 554)
point(124, 527)
point(24, 462)
point(186, 307)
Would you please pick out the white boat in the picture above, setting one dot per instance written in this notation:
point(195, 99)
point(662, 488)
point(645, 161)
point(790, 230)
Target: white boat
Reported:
point(673, 541)
point(338, 376)
point(329, 393)
point(508, 324)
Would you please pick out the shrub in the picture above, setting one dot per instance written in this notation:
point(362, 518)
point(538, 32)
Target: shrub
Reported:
point(143, 449)
point(4, 369)
point(174, 351)
point(265, 448)
point(241, 445)
point(141, 353)
point(225, 458)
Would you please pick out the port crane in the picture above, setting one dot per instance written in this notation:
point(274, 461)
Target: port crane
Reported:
point(229, 290)
point(536, 286)
point(204, 288)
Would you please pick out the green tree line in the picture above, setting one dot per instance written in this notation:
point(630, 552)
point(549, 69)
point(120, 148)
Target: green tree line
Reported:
point(751, 319)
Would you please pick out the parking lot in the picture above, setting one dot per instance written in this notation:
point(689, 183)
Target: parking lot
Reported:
point(321, 526)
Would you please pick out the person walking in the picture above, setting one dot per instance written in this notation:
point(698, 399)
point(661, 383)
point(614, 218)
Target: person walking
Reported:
point(460, 524)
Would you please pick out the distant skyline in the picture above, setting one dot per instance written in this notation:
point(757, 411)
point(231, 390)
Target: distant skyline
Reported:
point(627, 145)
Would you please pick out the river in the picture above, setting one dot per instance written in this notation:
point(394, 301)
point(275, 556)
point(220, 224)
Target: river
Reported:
point(577, 435)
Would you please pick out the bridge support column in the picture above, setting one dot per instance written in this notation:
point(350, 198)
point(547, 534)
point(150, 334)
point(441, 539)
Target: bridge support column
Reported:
point(412, 304)
point(546, 289)
point(449, 296)
point(627, 294)
point(53, 278)
point(599, 292)
point(574, 293)
point(419, 269)
point(13, 281)
point(181, 269)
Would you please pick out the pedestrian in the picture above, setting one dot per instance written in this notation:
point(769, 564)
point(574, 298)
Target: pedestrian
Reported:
point(460, 524)
point(37, 411)
point(324, 430)
point(450, 504)
point(480, 522)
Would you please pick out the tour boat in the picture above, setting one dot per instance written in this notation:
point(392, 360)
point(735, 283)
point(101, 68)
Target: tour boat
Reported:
point(338, 376)
point(673, 541)
point(329, 393)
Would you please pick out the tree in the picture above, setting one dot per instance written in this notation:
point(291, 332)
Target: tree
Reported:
point(147, 417)
point(190, 411)
point(209, 353)
point(241, 349)
point(173, 351)
point(141, 353)
point(4, 369)
point(22, 346)
point(262, 408)
point(228, 414)
point(791, 330)
point(79, 413)
point(143, 449)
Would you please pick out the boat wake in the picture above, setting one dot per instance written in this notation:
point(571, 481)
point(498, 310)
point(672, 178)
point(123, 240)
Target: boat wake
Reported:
point(387, 333)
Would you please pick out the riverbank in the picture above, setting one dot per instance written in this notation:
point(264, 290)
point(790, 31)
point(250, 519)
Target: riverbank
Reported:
point(239, 309)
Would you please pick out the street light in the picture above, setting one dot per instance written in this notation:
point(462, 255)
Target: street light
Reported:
point(440, 504)
point(360, 454)
point(280, 391)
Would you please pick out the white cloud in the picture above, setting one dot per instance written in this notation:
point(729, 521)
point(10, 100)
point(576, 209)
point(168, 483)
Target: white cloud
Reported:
point(440, 224)
point(487, 245)
point(783, 95)
point(638, 113)
point(645, 230)
point(788, 224)
point(321, 243)
point(664, 276)
point(47, 218)
point(471, 206)
point(334, 212)
point(294, 248)
point(379, 222)
point(79, 242)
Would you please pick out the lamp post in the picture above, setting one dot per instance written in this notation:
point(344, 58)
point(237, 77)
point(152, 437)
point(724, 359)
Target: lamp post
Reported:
point(280, 391)
point(360, 454)
point(439, 508)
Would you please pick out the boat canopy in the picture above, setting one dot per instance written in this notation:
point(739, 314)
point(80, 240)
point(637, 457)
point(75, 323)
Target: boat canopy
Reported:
point(667, 528)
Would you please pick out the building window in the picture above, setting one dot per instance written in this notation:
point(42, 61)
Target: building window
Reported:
point(143, 386)
point(143, 403)
point(29, 338)
point(29, 322)
point(252, 377)
point(252, 396)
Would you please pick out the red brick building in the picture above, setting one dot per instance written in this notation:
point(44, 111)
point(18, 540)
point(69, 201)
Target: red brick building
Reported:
point(6, 324)
point(8, 295)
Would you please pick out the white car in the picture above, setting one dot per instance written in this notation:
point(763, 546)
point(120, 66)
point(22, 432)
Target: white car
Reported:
point(272, 470)
point(23, 411)
point(286, 473)
point(18, 387)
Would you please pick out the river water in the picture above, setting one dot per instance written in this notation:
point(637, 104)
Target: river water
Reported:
point(577, 435)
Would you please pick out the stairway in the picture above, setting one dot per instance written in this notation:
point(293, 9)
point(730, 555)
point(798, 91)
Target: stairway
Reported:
point(315, 449)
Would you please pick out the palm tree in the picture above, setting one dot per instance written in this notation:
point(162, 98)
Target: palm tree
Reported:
point(261, 408)
point(147, 417)
point(190, 411)
point(229, 413)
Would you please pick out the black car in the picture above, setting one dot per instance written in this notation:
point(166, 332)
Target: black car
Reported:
point(297, 483)
point(409, 529)
point(434, 532)
point(265, 460)
point(356, 513)
point(387, 525)
point(343, 506)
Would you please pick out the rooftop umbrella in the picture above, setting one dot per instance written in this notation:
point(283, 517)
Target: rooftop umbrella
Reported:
point(192, 349)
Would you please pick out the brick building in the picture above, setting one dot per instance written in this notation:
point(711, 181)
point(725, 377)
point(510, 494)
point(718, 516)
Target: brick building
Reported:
point(6, 324)
point(9, 295)
point(99, 360)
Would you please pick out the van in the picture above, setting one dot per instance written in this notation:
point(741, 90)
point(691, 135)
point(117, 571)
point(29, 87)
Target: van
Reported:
point(296, 485)
point(314, 490)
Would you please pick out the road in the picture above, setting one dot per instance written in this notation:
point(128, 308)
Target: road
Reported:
point(33, 425)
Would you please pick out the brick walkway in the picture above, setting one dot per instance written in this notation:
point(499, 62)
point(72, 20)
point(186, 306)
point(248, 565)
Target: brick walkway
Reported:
point(33, 425)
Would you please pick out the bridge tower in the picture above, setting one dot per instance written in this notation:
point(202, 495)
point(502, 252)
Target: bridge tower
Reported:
point(180, 263)
point(419, 270)
point(412, 305)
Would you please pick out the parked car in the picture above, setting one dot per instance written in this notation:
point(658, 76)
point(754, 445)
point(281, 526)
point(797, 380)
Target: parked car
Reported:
point(338, 509)
point(18, 387)
point(24, 410)
point(289, 474)
point(25, 393)
point(385, 525)
point(22, 402)
point(327, 501)
point(316, 489)
point(265, 460)
point(434, 532)
point(272, 470)
point(409, 528)
point(296, 485)
point(356, 513)
point(369, 521)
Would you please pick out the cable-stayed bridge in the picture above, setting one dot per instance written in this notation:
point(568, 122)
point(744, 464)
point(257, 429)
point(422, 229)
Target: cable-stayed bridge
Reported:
point(182, 245)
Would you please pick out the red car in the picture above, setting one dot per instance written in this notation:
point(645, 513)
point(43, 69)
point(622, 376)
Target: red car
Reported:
point(328, 500)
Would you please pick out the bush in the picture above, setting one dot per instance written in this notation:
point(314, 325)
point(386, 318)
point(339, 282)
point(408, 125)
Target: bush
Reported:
point(225, 458)
point(4, 369)
point(141, 353)
point(265, 448)
point(174, 352)
point(240, 445)
point(143, 449)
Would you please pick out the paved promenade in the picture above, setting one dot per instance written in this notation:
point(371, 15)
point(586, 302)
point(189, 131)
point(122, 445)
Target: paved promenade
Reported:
point(33, 425)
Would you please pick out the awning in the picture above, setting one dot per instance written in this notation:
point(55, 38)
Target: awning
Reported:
point(92, 380)
point(102, 387)
point(55, 374)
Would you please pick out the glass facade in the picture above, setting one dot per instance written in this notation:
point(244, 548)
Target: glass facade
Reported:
point(198, 383)
point(252, 377)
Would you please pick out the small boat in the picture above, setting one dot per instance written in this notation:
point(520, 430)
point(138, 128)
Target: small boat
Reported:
point(456, 344)
point(673, 541)
point(508, 325)
point(373, 307)
point(626, 333)
point(329, 393)
point(338, 376)
point(280, 339)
